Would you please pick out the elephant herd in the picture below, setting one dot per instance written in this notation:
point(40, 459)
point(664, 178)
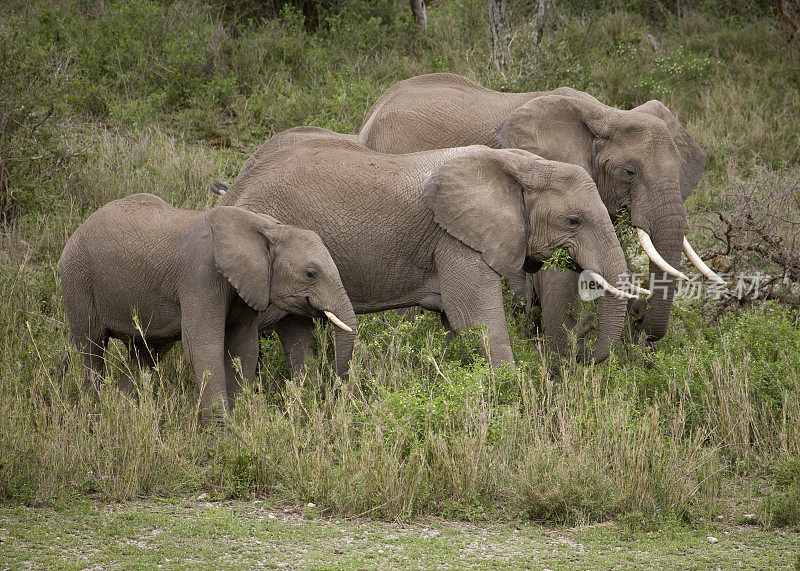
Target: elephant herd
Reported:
point(447, 187)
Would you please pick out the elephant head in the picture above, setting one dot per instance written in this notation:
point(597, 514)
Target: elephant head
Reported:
point(269, 263)
point(516, 209)
point(642, 160)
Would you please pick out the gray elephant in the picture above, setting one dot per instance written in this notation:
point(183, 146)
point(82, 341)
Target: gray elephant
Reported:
point(434, 229)
point(642, 160)
point(201, 278)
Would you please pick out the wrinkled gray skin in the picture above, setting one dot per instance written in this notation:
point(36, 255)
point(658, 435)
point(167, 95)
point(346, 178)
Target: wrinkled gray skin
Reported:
point(642, 160)
point(198, 277)
point(433, 229)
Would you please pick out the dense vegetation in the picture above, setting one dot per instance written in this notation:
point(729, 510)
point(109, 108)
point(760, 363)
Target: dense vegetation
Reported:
point(102, 99)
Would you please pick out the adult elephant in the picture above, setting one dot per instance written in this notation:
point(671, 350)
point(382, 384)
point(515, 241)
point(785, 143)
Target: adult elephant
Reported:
point(434, 229)
point(642, 160)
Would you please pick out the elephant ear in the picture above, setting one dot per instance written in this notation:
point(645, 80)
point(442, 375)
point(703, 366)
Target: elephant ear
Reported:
point(693, 159)
point(242, 251)
point(559, 127)
point(478, 198)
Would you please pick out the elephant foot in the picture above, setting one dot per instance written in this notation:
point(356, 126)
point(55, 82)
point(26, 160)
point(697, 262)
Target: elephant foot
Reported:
point(212, 419)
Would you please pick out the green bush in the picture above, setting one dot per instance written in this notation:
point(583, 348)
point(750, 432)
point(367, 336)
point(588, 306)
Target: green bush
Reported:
point(34, 156)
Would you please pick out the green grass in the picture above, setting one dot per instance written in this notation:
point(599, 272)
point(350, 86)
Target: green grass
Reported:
point(107, 100)
point(245, 534)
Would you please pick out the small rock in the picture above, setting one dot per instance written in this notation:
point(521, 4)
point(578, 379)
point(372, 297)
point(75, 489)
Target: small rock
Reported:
point(203, 496)
point(272, 516)
point(720, 518)
point(712, 539)
point(750, 517)
point(311, 505)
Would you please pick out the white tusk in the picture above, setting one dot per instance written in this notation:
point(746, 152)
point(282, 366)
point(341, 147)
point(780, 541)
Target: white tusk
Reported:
point(639, 290)
point(699, 263)
point(337, 322)
point(608, 287)
point(652, 253)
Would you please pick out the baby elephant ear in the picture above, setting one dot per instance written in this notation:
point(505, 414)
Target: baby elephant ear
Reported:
point(693, 158)
point(242, 251)
point(478, 199)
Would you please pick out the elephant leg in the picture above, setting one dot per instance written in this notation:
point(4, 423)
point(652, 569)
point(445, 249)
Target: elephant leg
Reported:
point(94, 356)
point(296, 334)
point(449, 337)
point(203, 337)
point(85, 329)
point(448, 328)
point(531, 299)
point(472, 295)
point(557, 291)
point(140, 359)
point(241, 340)
point(91, 343)
point(518, 284)
point(143, 356)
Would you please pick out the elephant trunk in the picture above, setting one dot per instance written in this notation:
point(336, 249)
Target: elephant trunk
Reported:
point(667, 236)
point(343, 340)
point(334, 303)
point(611, 309)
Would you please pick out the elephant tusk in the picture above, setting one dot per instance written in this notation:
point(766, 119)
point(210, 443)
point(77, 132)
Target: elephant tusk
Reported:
point(700, 264)
point(337, 322)
point(652, 253)
point(601, 281)
point(639, 290)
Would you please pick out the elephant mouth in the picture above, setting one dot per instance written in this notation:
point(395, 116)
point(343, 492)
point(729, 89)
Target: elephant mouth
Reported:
point(531, 265)
point(619, 214)
point(310, 309)
point(300, 305)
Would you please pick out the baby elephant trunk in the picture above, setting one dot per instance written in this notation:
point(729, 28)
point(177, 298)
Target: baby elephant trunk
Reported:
point(338, 309)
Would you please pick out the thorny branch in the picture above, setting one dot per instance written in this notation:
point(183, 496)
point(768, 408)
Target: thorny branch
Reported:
point(759, 235)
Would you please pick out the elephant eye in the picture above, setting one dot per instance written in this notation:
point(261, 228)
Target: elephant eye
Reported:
point(311, 273)
point(574, 221)
point(629, 171)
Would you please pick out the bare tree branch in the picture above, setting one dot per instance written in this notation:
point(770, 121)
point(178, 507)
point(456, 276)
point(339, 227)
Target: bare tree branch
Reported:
point(757, 236)
point(783, 11)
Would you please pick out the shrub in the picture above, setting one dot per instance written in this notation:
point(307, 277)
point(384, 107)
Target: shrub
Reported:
point(34, 157)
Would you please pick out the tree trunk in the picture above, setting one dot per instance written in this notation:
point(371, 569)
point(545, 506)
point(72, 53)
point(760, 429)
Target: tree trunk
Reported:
point(498, 25)
point(420, 17)
point(540, 18)
point(788, 22)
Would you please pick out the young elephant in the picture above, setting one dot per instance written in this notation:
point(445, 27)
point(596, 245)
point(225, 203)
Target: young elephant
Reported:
point(201, 278)
point(434, 229)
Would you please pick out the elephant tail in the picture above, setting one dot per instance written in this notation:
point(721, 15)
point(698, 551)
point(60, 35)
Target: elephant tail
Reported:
point(219, 188)
point(67, 358)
